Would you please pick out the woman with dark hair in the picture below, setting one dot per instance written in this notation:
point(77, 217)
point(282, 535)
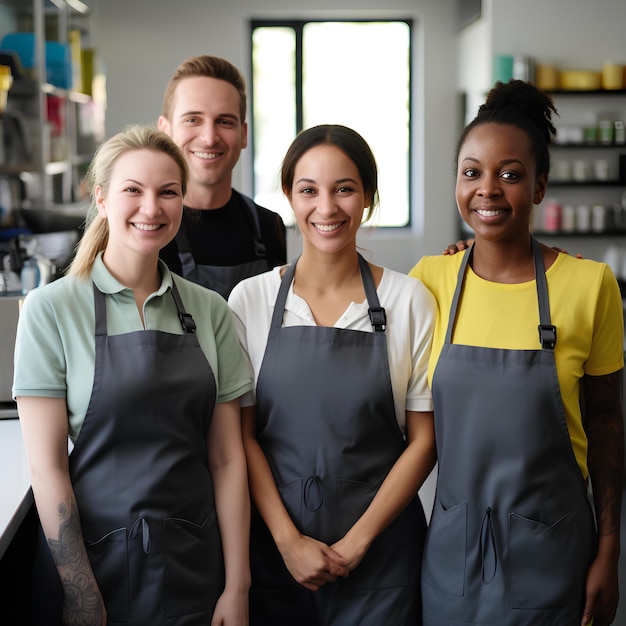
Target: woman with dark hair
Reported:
point(525, 375)
point(338, 432)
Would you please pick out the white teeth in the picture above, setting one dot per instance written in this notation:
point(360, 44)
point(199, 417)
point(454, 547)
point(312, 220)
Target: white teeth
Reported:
point(147, 226)
point(327, 228)
point(207, 155)
point(492, 213)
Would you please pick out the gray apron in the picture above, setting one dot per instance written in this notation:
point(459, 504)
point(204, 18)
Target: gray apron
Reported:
point(512, 532)
point(327, 425)
point(139, 472)
point(222, 278)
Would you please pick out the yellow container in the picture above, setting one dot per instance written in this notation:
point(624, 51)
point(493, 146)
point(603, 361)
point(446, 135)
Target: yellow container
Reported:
point(6, 82)
point(76, 54)
point(546, 77)
point(612, 76)
point(581, 80)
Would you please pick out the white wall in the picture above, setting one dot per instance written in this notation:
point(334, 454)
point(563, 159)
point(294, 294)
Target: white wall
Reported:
point(569, 33)
point(141, 42)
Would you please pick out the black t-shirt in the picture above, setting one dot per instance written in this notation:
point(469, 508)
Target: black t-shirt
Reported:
point(225, 236)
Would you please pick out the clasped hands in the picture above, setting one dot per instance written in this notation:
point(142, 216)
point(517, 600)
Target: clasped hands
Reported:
point(313, 563)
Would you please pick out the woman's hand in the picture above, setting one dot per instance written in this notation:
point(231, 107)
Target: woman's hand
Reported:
point(602, 593)
point(351, 551)
point(460, 245)
point(231, 609)
point(312, 563)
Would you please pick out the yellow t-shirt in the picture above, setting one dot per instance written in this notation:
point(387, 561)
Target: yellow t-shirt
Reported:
point(585, 306)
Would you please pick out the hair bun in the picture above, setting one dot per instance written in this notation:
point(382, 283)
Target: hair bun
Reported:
point(520, 98)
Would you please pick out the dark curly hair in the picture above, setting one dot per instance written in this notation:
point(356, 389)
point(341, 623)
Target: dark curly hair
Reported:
point(520, 104)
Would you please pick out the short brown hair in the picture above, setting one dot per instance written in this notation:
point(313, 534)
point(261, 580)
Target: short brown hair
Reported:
point(211, 67)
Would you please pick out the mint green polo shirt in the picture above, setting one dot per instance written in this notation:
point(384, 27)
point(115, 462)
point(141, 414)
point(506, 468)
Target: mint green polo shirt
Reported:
point(55, 344)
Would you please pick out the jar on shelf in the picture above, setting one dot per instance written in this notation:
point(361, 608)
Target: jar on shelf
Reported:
point(583, 218)
point(552, 216)
point(598, 218)
point(568, 218)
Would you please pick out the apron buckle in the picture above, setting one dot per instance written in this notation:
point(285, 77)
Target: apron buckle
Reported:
point(186, 321)
point(378, 318)
point(547, 336)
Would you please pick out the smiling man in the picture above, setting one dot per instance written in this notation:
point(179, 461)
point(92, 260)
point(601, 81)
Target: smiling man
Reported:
point(224, 237)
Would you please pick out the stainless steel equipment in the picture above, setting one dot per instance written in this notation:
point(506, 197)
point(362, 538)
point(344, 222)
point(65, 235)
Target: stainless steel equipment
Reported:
point(9, 310)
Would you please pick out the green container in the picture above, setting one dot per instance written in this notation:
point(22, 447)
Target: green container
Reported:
point(502, 68)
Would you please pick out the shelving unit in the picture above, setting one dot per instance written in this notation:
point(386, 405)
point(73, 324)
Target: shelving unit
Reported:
point(579, 109)
point(61, 148)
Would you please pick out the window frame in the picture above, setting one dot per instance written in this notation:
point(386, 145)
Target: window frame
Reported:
point(298, 26)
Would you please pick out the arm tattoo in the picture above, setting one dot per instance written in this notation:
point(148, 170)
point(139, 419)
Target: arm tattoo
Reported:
point(82, 604)
point(604, 427)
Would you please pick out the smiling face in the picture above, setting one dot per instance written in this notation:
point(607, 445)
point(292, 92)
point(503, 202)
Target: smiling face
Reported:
point(206, 125)
point(143, 205)
point(496, 184)
point(328, 199)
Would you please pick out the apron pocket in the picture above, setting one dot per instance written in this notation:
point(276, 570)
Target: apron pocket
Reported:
point(109, 560)
point(394, 554)
point(552, 554)
point(443, 565)
point(194, 565)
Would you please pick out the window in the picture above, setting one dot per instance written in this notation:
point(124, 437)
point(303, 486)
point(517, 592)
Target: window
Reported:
point(355, 73)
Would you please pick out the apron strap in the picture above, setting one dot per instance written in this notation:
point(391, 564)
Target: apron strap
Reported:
point(547, 331)
point(376, 312)
point(187, 262)
point(101, 311)
point(186, 320)
point(259, 246)
point(457, 293)
point(281, 298)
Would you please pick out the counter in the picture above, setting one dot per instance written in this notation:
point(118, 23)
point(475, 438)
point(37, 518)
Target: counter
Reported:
point(16, 497)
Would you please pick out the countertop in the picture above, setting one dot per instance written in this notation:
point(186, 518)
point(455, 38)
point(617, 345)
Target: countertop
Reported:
point(16, 496)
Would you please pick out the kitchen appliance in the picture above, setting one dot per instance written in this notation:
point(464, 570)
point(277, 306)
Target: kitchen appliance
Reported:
point(9, 309)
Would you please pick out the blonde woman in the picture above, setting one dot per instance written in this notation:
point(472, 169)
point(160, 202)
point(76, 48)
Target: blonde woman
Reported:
point(147, 521)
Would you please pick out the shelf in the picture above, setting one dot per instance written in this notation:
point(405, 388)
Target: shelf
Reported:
point(72, 96)
point(17, 168)
point(588, 92)
point(588, 234)
point(586, 183)
point(62, 131)
point(52, 168)
point(57, 167)
point(588, 146)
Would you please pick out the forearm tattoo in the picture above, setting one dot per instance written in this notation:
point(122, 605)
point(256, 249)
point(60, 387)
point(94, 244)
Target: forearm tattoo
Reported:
point(604, 426)
point(82, 601)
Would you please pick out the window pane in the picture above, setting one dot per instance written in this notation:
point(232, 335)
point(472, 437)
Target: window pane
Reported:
point(274, 112)
point(347, 80)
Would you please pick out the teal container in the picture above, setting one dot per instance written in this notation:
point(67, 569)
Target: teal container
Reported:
point(502, 68)
point(58, 57)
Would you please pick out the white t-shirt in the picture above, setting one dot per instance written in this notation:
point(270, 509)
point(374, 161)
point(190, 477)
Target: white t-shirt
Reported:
point(411, 313)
